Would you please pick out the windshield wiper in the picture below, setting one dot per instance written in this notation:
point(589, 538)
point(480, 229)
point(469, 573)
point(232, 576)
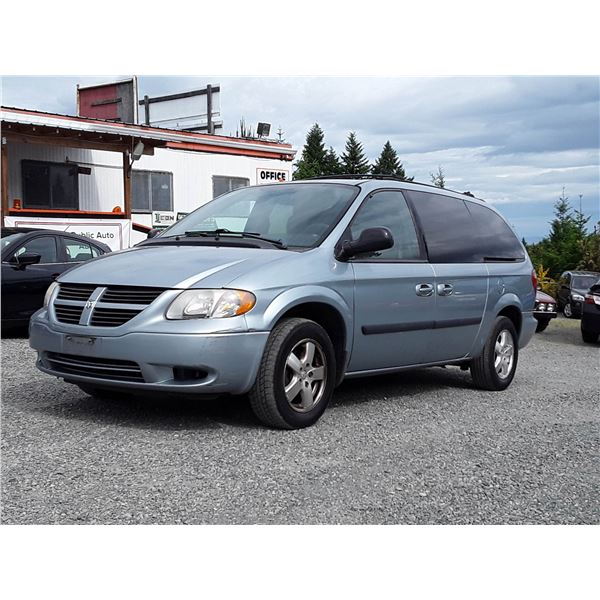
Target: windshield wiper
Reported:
point(217, 233)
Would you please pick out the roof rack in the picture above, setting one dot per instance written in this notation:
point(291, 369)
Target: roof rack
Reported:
point(389, 178)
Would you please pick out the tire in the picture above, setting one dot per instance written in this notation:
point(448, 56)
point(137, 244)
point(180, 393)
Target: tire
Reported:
point(310, 381)
point(589, 337)
point(484, 371)
point(568, 310)
point(541, 325)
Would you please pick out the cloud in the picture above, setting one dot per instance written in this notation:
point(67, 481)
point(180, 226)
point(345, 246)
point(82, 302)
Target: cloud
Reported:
point(514, 141)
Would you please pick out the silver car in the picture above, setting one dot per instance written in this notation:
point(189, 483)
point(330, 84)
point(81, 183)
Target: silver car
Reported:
point(282, 291)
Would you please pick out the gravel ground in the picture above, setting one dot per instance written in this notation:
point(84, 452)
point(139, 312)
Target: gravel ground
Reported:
point(421, 447)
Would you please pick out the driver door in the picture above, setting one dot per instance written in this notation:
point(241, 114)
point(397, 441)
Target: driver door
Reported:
point(23, 289)
point(394, 303)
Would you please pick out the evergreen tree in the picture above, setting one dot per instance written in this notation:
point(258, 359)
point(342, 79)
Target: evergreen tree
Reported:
point(312, 163)
point(590, 247)
point(332, 164)
point(564, 248)
point(438, 179)
point(354, 161)
point(388, 163)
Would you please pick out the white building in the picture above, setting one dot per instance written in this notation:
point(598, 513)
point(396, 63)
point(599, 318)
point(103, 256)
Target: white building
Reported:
point(72, 172)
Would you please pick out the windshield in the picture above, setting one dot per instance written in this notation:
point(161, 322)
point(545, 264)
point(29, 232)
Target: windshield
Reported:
point(583, 282)
point(298, 215)
point(10, 238)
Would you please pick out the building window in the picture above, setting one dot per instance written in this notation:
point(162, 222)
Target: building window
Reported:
point(222, 185)
point(151, 190)
point(49, 185)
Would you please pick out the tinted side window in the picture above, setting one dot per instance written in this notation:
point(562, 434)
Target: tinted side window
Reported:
point(492, 235)
point(44, 246)
point(388, 209)
point(448, 228)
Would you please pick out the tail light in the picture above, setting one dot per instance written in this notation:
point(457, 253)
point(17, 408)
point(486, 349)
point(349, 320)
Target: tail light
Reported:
point(592, 299)
point(534, 280)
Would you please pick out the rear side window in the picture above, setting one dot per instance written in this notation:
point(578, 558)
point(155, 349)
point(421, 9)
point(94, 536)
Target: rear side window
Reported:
point(447, 225)
point(79, 251)
point(459, 231)
point(495, 240)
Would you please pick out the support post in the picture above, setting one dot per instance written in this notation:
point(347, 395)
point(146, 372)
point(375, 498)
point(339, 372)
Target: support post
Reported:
point(209, 123)
point(126, 185)
point(147, 110)
point(4, 179)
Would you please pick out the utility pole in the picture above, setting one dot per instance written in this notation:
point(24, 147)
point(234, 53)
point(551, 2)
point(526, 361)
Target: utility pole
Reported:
point(580, 197)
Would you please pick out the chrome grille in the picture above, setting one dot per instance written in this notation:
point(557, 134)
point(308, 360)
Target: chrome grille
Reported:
point(115, 305)
point(112, 317)
point(75, 292)
point(68, 314)
point(131, 295)
point(100, 368)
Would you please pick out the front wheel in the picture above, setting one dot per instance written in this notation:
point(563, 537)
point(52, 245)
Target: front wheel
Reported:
point(568, 310)
point(588, 336)
point(495, 367)
point(541, 325)
point(296, 376)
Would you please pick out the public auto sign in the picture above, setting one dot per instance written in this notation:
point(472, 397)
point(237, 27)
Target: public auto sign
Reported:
point(115, 233)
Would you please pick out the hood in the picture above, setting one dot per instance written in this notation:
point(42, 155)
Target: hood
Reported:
point(172, 266)
point(543, 297)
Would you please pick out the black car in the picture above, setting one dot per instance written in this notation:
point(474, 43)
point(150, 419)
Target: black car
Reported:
point(573, 288)
point(31, 260)
point(590, 317)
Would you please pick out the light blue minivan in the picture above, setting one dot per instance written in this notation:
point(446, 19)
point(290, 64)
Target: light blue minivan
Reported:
point(316, 281)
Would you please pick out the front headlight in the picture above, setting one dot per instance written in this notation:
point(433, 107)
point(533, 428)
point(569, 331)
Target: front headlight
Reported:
point(541, 306)
point(49, 293)
point(210, 304)
point(577, 297)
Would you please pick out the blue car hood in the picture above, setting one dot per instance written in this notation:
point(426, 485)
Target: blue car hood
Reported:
point(173, 266)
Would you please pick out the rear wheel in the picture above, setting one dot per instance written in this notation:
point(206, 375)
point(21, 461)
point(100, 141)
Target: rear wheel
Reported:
point(542, 324)
point(589, 337)
point(494, 369)
point(296, 376)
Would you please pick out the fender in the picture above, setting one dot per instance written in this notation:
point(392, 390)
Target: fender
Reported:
point(504, 301)
point(301, 295)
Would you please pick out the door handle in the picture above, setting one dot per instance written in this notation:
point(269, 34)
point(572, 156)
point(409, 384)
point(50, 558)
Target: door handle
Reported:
point(445, 289)
point(424, 289)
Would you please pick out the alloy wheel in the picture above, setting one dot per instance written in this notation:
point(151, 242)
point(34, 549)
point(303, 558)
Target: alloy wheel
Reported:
point(504, 354)
point(305, 375)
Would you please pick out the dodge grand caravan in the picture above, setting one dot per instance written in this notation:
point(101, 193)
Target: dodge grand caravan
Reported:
point(281, 291)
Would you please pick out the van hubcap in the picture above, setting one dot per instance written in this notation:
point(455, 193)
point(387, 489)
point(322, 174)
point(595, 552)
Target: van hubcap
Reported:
point(305, 375)
point(504, 354)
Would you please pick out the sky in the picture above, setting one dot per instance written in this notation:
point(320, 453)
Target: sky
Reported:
point(513, 141)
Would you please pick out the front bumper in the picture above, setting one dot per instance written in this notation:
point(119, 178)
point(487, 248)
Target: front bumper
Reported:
point(186, 363)
point(544, 315)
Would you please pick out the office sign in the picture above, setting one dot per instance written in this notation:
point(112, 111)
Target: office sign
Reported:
point(272, 176)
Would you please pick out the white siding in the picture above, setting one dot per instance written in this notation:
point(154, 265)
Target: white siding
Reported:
point(103, 189)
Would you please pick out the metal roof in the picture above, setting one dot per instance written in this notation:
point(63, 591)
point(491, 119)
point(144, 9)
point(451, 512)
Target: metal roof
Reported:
point(28, 117)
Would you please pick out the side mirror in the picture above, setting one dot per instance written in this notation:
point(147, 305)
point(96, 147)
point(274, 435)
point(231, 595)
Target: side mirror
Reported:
point(370, 240)
point(153, 232)
point(26, 259)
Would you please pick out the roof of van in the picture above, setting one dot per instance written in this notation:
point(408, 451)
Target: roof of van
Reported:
point(362, 179)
